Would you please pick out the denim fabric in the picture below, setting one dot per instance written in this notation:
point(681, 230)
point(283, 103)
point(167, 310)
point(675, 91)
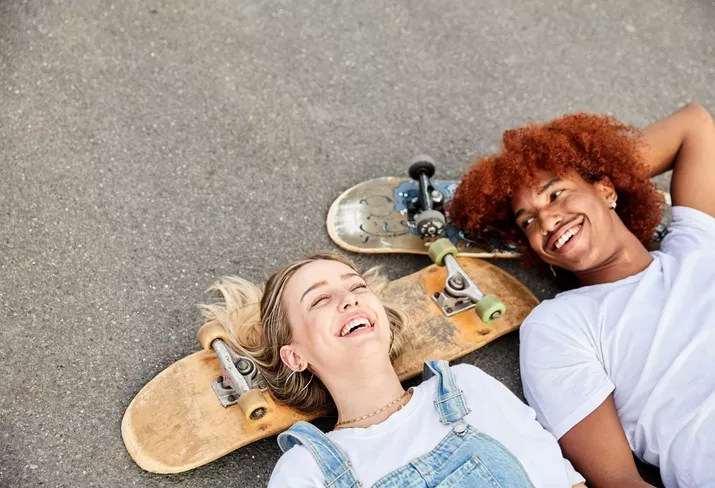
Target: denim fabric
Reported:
point(465, 457)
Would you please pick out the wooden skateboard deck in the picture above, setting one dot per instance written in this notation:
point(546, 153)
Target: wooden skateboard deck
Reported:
point(176, 423)
point(372, 217)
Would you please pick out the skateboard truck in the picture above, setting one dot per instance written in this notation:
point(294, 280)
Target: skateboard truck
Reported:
point(240, 378)
point(429, 222)
point(237, 377)
point(460, 292)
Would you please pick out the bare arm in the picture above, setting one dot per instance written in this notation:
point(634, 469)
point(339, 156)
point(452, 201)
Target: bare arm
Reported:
point(685, 142)
point(599, 450)
point(580, 485)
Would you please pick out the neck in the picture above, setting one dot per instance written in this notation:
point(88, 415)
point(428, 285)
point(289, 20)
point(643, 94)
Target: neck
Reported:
point(629, 259)
point(365, 388)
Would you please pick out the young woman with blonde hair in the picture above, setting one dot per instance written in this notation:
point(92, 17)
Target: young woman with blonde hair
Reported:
point(323, 340)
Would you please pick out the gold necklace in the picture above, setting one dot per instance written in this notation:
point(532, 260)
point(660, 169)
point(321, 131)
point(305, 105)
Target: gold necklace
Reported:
point(380, 410)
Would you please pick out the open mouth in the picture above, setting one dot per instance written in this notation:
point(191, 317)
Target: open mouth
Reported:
point(355, 325)
point(566, 236)
point(560, 241)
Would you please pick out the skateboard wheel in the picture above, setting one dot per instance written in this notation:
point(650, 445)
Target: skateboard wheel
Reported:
point(253, 404)
point(421, 164)
point(209, 332)
point(490, 308)
point(430, 223)
point(439, 250)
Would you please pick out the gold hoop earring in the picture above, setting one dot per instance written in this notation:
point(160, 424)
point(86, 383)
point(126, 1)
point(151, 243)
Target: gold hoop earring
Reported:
point(307, 384)
point(294, 371)
point(290, 375)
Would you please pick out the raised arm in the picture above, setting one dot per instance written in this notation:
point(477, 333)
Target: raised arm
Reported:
point(599, 450)
point(685, 142)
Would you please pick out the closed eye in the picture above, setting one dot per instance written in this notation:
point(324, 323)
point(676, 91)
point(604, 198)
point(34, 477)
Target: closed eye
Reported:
point(318, 300)
point(358, 286)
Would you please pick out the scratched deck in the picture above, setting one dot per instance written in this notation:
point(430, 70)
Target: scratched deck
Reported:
point(175, 423)
point(373, 217)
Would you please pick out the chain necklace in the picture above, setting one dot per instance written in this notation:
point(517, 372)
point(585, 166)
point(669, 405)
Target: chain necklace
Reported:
point(380, 410)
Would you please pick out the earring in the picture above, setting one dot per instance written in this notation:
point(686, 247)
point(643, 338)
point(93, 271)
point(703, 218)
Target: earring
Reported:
point(553, 271)
point(307, 384)
point(613, 205)
point(544, 232)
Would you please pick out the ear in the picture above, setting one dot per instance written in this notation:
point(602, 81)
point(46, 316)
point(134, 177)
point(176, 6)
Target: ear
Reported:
point(606, 190)
point(293, 359)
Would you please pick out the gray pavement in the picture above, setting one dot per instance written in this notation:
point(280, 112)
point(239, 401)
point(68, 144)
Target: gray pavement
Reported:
point(149, 147)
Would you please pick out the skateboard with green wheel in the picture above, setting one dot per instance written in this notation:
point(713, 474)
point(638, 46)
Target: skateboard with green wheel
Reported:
point(214, 401)
point(407, 214)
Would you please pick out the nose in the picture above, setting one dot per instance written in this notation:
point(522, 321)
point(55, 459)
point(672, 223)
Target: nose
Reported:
point(549, 221)
point(349, 301)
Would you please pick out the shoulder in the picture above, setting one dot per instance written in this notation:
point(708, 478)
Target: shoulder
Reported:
point(467, 373)
point(573, 303)
point(472, 379)
point(562, 335)
point(296, 468)
point(569, 315)
point(485, 393)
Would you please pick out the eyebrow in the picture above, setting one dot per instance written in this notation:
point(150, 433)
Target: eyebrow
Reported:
point(323, 283)
point(546, 186)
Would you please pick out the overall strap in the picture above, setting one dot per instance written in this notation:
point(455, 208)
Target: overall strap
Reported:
point(449, 399)
point(333, 463)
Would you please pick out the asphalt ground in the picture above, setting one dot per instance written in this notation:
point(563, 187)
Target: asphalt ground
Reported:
point(149, 147)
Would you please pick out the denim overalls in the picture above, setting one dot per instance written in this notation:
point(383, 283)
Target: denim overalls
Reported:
point(465, 457)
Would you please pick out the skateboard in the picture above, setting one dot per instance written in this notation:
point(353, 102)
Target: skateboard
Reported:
point(406, 214)
point(213, 401)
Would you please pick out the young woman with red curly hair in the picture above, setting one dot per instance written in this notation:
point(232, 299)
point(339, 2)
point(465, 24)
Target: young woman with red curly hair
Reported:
point(626, 360)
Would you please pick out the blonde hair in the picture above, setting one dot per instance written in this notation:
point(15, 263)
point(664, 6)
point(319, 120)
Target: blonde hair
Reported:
point(257, 326)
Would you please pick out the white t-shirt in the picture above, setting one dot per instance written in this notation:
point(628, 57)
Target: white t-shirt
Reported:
point(416, 430)
point(650, 339)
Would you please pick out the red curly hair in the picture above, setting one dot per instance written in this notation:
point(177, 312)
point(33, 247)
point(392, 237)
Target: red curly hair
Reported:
point(595, 146)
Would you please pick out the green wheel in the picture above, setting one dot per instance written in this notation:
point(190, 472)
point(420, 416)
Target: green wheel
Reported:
point(439, 250)
point(490, 308)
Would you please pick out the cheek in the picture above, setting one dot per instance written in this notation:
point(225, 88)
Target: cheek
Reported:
point(379, 309)
point(582, 203)
point(304, 329)
point(535, 240)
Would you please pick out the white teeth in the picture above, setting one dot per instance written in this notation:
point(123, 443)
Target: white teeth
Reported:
point(353, 325)
point(567, 235)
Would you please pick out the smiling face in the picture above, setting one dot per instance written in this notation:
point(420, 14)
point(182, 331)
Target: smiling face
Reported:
point(569, 222)
point(335, 319)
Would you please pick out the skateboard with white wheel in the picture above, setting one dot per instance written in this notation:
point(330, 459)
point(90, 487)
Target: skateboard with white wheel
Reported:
point(214, 401)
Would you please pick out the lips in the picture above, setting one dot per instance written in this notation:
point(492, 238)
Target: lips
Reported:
point(564, 235)
point(355, 323)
